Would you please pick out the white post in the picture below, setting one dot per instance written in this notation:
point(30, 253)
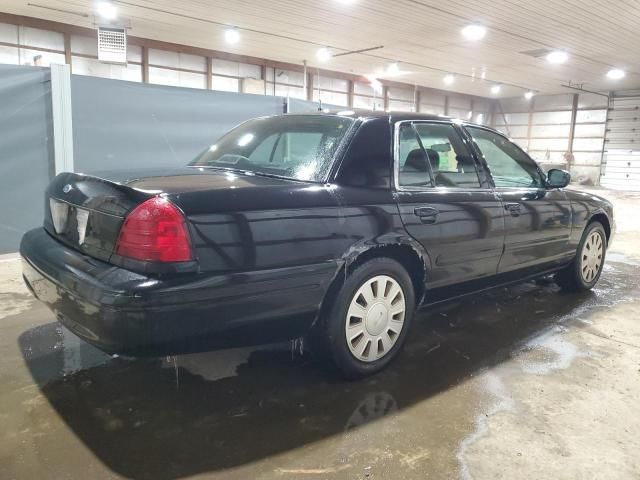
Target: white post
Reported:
point(62, 123)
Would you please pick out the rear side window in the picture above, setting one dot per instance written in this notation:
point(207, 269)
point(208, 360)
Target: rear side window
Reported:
point(433, 154)
point(301, 147)
point(509, 166)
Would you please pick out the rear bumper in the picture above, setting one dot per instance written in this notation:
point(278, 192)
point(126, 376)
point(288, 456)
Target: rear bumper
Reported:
point(120, 311)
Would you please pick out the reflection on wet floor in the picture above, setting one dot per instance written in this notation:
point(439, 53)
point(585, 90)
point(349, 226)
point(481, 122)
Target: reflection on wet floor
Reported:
point(179, 416)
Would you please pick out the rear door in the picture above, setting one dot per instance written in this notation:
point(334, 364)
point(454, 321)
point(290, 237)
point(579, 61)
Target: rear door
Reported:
point(538, 219)
point(446, 202)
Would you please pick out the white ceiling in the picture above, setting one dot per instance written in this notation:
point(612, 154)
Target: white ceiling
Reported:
point(422, 35)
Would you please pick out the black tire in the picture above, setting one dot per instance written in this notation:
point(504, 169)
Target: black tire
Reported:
point(329, 338)
point(571, 278)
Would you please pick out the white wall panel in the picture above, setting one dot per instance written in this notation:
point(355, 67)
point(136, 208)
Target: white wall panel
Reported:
point(553, 102)
point(332, 98)
point(401, 94)
point(459, 102)
point(512, 119)
point(246, 70)
point(288, 76)
point(338, 84)
point(166, 58)
point(547, 156)
point(462, 114)
point(432, 109)
point(8, 33)
point(34, 37)
point(589, 116)
point(94, 68)
point(400, 106)
point(164, 76)
point(558, 144)
point(588, 158)
point(84, 45)
point(225, 67)
point(432, 98)
point(590, 130)
point(193, 80)
point(550, 131)
point(27, 57)
point(225, 84)
point(553, 118)
point(588, 144)
point(289, 91)
point(9, 55)
point(363, 88)
point(515, 131)
point(363, 102)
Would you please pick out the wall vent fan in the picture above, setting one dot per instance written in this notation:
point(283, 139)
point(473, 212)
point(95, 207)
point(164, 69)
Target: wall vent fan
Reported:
point(112, 44)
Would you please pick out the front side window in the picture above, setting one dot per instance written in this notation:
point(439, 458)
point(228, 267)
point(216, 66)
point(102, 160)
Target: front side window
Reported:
point(509, 166)
point(300, 147)
point(433, 154)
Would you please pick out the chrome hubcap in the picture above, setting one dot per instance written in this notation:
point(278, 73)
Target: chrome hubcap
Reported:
point(375, 318)
point(592, 253)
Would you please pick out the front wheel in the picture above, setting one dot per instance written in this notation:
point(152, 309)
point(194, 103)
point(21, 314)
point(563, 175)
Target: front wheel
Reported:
point(367, 324)
point(585, 269)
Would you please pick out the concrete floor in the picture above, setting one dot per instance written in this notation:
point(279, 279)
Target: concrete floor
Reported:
point(525, 382)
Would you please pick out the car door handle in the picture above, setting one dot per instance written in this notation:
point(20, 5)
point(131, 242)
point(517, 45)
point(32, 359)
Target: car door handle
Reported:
point(512, 208)
point(427, 214)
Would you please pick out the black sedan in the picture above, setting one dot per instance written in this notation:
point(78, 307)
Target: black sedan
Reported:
point(328, 226)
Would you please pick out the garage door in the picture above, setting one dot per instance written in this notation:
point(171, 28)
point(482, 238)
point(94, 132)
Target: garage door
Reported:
point(622, 144)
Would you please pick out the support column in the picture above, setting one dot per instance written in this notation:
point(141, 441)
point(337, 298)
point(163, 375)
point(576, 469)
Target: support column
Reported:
point(67, 49)
point(385, 100)
point(350, 94)
point(572, 127)
point(62, 121)
point(209, 73)
point(145, 65)
point(532, 104)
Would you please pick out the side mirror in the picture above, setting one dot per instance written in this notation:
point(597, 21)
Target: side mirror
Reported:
point(557, 178)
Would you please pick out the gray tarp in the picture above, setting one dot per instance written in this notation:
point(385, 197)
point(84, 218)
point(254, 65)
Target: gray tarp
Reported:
point(26, 150)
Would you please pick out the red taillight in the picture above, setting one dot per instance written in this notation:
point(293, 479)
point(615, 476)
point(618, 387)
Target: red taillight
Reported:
point(155, 231)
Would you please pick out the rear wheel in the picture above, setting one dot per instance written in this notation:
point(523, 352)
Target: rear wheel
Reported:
point(365, 328)
point(585, 269)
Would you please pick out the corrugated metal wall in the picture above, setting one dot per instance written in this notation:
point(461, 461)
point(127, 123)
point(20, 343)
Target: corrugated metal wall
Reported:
point(622, 143)
point(565, 131)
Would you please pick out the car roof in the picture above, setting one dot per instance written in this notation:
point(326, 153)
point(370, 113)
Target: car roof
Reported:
point(392, 116)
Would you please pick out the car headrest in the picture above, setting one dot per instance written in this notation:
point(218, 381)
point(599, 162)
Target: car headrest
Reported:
point(434, 159)
point(416, 161)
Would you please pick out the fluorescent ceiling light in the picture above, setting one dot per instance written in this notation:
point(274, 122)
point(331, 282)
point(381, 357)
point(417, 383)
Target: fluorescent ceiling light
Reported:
point(557, 56)
point(323, 54)
point(232, 35)
point(615, 74)
point(474, 32)
point(107, 10)
point(496, 89)
point(449, 79)
point(528, 95)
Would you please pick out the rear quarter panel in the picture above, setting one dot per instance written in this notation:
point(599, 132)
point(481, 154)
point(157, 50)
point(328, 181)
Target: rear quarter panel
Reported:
point(298, 225)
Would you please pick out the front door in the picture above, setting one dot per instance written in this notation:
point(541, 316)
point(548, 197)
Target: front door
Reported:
point(446, 203)
point(538, 219)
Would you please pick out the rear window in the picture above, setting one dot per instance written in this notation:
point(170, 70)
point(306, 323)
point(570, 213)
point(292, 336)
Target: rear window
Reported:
point(296, 146)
